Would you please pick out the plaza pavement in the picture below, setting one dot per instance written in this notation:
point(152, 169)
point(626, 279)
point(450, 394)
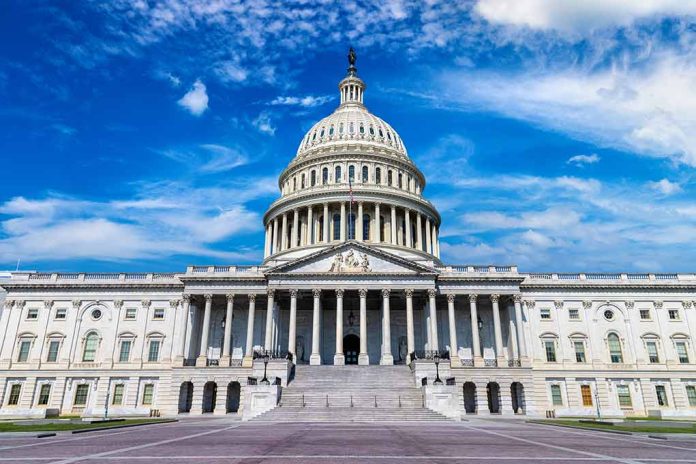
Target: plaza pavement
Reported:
point(225, 441)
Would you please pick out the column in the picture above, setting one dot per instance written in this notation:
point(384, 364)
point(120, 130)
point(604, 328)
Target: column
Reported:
point(292, 329)
point(226, 348)
point(521, 346)
point(249, 351)
point(268, 340)
point(437, 242)
point(434, 239)
point(419, 232)
point(274, 246)
point(310, 226)
point(410, 340)
point(181, 353)
point(342, 234)
point(315, 357)
point(393, 225)
point(433, 320)
point(339, 358)
point(295, 227)
point(454, 348)
point(478, 361)
point(284, 237)
point(407, 219)
point(499, 355)
point(363, 357)
point(326, 223)
point(205, 331)
point(359, 224)
point(378, 225)
point(267, 241)
point(428, 235)
point(387, 358)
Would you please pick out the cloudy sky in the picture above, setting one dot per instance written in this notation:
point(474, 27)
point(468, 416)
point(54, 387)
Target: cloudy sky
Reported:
point(138, 135)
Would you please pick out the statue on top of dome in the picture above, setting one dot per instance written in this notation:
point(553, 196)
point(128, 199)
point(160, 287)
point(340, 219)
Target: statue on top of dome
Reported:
point(351, 56)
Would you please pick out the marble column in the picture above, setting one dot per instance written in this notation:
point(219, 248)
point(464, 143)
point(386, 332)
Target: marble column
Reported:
point(434, 240)
point(419, 232)
point(387, 358)
point(249, 349)
point(339, 358)
point(315, 357)
point(205, 332)
point(454, 355)
point(274, 245)
point(363, 357)
point(407, 225)
point(284, 232)
point(428, 236)
point(475, 340)
point(310, 226)
point(326, 223)
point(295, 227)
point(521, 345)
point(342, 234)
point(392, 226)
point(433, 320)
point(410, 337)
point(359, 224)
point(499, 354)
point(267, 241)
point(227, 340)
point(268, 339)
point(292, 329)
point(378, 225)
point(181, 354)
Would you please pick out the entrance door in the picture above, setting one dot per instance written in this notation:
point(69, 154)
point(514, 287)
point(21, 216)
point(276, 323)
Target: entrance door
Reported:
point(351, 348)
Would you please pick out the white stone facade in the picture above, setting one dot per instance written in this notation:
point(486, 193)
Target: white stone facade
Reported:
point(352, 274)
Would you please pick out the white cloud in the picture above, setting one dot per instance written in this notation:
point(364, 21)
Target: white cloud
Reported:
point(222, 158)
point(263, 123)
point(308, 101)
point(173, 80)
point(665, 187)
point(581, 160)
point(579, 16)
point(196, 99)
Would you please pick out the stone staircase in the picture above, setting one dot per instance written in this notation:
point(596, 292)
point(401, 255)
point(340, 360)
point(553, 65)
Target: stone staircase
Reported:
point(351, 394)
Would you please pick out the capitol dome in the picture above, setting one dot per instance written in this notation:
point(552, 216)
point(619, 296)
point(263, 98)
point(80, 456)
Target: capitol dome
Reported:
point(351, 179)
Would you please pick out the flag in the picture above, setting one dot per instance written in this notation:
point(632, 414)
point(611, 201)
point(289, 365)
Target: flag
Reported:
point(350, 191)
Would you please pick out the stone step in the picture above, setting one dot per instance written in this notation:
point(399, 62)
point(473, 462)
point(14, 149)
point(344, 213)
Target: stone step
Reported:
point(288, 414)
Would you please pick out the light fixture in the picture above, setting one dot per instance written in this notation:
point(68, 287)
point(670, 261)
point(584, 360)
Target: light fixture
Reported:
point(480, 323)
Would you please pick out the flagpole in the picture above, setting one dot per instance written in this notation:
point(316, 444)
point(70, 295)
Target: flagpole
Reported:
point(350, 207)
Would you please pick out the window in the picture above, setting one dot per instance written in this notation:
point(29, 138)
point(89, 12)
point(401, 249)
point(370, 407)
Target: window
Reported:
point(53, 347)
point(118, 394)
point(158, 314)
point(148, 390)
point(24, 347)
point(60, 314)
point(400, 181)
point(579, 346)
point(81, 393)
point(153, 352)
point(550, 347)
point(366, 226)
point(624, 395)
point(44, 394)
point(574, 314)
point(15, 390)
point(124, 352)
point(294, 184)
point(652, 352)
point(321, 229)
point(691, 394)
point(90, 352)
point(325, 176)
point(351, 227)
point(661, 395)
point(586, 393)
point(645, 314)
point(337, 176)
point(545, 313)
point(336, 226)
point(32, 314)
point(378, 176)
point(615, 348)
point(556, 396)
point(313, 177)
point(303, 181)
point(96, 314)
point(682, 353)
point(673, 314)
point(131, 314)
point(364, 174)
point(389, 178)
point(608, 314)
point(351, 173)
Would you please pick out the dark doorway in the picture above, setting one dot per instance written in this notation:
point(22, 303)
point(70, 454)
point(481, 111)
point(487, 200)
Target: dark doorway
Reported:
point(517, 392)
point(470, 397)
point(185, 397)
point(209, 396)
point(351, 348)
point(493, 392)
point(233, 395)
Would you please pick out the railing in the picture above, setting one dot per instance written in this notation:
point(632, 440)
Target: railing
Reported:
point(429, 355)
point(490, 363)
point(603, 276)
point(514, 363)
point(467, 362)
point(272, 354)
point(212, 362)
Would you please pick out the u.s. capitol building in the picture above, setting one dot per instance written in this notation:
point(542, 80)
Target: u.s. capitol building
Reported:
point(351, 276)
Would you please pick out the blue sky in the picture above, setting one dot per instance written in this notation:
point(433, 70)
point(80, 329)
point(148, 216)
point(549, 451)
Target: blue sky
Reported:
point(145, 136)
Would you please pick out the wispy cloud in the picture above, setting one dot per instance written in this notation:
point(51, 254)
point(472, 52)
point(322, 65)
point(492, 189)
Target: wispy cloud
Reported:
point(196, 99)
point(308, 101)
point(665, 187)
point(582, 160)
point(208, 157)
point(263, 123)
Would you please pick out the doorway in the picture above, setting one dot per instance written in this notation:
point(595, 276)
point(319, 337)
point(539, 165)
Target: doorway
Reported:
point(351, 348)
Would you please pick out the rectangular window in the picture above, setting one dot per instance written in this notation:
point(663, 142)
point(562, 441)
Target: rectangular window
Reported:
point(61, 314)
point(586, 393)
point(556, 397)
point(131, 313)
point(53, 347)
point(118, 394)
point(148, 390)
point(124, 352)
point(652, 352)
point(574, 314)
point(44, 394)
point(579, 351)
point(158, 314)
point(32, 314)
point(153, 353)
point(673, 314)
point(24, 347)
point(90, 352)
point(545, 313)
point(645, 314)
point(682, 353)
point(661, 393)
point(81, 393)
point(691, 394)
point(624, 395)
point(550, 347)
point(15, 390)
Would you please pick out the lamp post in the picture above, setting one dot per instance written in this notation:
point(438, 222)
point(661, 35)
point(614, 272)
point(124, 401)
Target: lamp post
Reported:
point(106, 406)
point(436, 358)
point(596, 396)
point(265, 381)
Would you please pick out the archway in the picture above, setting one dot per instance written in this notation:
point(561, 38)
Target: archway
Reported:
point(209, 396)
point(470, 397)
point(185, 397)
point(517, 393)
point(493, 392)
point(351, 348)
point(234, 390)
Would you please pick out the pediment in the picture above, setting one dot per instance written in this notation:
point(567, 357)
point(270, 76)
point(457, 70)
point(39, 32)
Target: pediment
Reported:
point(351, 258)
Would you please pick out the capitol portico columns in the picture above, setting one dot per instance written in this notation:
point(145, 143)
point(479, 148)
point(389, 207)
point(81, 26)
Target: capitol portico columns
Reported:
point(248, 352)
point(339, 358)
point(359, 222)
point(225, 358)
point(499, 355)
point(309, 240)
point(363, 357)
point(315, 357)
point(284, 237)
point(433, 320)
point(454, 356)
point(292, 329)
point(392, 225)
point(387, 358)
point(295, 227)
point(203, 356)
point(428, 235)
point(521, 345)
point(419, 232)
point(342, 234)
point(268, 340)
point(410, 339)
point(378, 225)
point(181, 349)
point(475, 341)
point(326, 223)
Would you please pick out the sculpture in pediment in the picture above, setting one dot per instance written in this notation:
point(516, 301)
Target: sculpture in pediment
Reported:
point(350, 262)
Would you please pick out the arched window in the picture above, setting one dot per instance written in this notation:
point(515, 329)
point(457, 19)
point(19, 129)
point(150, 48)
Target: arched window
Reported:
point(321, 134)
point(372, 130)
point(351, 227)
point(331, 130)
point(378, 176)
point(337, 177)
point(303, 181)
point(351, 173)
point(336, 226)
point(321, 229)
point(89, 354)
point(313, 178)
point(325, 176)
point(366, 226)
point(364, 174)
point(340, 128)
point(401, 180)
point(615, 353)
point(294, 184)
point(389, 178)
point(362, 129)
